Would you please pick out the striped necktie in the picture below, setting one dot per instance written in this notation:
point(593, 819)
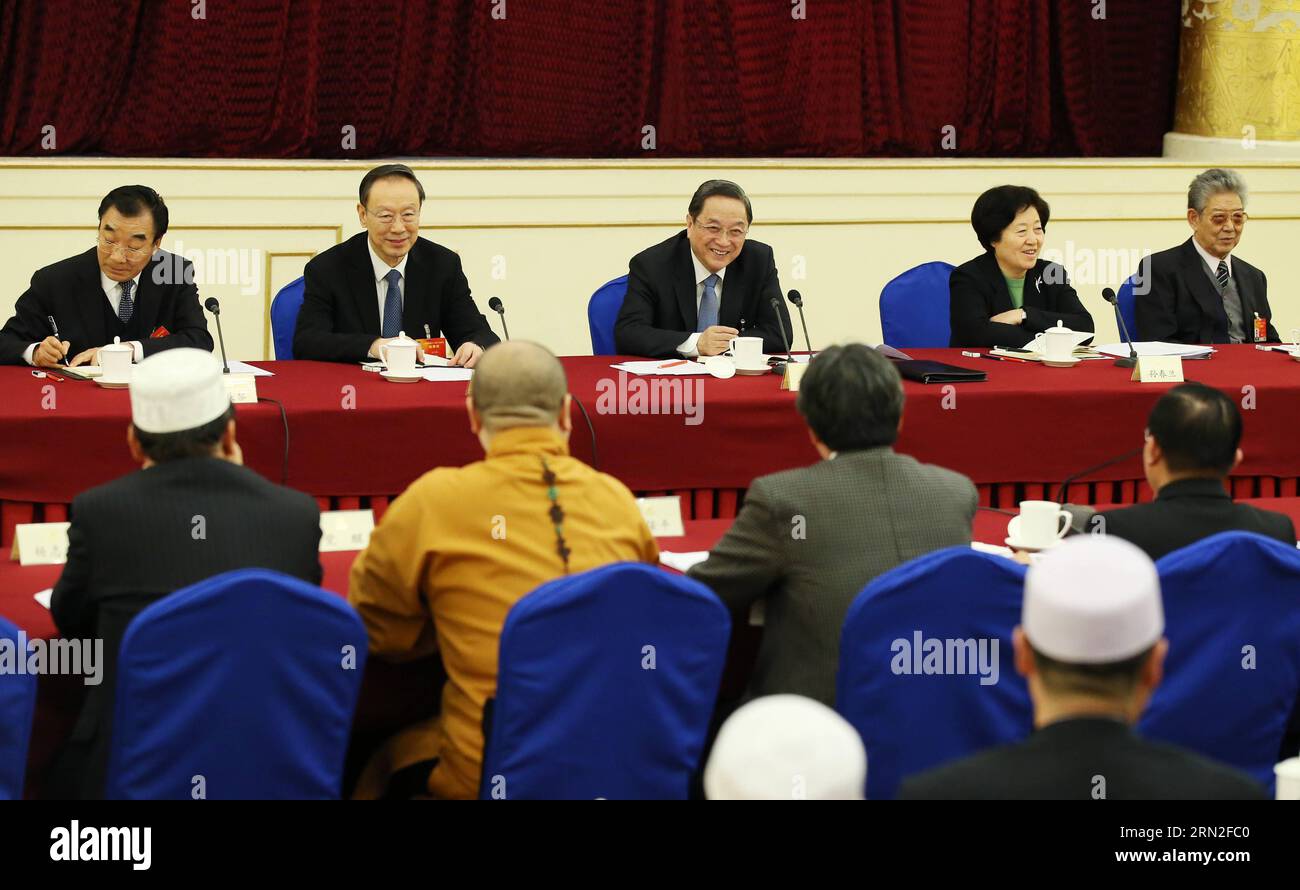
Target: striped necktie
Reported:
point(1221, 275)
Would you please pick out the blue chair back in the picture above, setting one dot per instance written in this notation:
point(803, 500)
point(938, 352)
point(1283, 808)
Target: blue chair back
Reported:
point(284, 318)
point(914, 307)
point(1128, 308)
point(17, 708)
point(606, 684)
point(1232, 675)
point(602, 312)
point(248, 679)
point(916, 709)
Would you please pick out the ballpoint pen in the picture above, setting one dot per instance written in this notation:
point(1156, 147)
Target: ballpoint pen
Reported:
point(54, 327)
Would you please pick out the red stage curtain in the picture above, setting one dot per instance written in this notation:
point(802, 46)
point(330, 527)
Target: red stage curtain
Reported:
point(283, 78)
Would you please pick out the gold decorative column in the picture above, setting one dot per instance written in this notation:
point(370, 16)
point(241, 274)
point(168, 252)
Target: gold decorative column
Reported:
point(1238, 80)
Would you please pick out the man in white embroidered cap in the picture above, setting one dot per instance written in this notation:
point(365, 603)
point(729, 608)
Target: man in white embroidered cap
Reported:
point(192, 511)
point(1091, 646)
point(786, 747)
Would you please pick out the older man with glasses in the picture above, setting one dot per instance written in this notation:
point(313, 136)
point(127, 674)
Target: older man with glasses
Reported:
point(125, 287)
point(1199, 292)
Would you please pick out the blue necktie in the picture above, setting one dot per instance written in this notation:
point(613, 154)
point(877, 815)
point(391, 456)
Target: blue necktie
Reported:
point(708, 315)
point(392, 306)
point(126, 306)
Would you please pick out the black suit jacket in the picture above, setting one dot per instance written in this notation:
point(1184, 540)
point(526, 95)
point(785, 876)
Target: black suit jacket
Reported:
point(132, 542)
point(339, 318)
point(659, 311)
point(1186, 511)
point(1060, 761)
point(1175, 300)
point(70, 291)
point(977, 291)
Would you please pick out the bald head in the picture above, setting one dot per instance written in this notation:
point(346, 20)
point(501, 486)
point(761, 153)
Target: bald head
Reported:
point(518, 383)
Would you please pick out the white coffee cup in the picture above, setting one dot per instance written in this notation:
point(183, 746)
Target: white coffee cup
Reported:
point(747, 352)
point(1057, 343)
point(1288, 779)
point(115, 360)
point(399, 355)
point(1040, 524)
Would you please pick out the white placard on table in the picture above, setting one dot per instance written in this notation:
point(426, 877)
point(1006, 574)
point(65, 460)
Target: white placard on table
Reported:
point(345, 530)
point(1158, 369)
point(663, 515)
point(40, 544)
point(242, 388)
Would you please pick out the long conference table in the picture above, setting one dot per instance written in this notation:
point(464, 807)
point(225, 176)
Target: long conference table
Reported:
point(352, 439)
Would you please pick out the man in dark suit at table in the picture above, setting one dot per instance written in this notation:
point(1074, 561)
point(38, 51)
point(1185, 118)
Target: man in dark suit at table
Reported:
point(387, 280)
point(192, 511)
point(689, 295)
point(808, 540)
point(126, 286)
point(1091, 646)
point(1193, 442)
point(1198, 292)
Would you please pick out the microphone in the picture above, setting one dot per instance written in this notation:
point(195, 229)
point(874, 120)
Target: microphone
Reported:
point(797, 299)
point(214, 307)
point(499, 308)
point(1109, 296)
point(1065, 486)
point(776, 307)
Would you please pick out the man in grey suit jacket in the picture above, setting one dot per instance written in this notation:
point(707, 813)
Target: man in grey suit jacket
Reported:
point(808, 540)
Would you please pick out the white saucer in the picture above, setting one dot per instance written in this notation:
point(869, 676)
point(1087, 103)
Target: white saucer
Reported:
point(719, 366)
point(393, 377)
point(1028, 549)
point(111, 384)
point(754, 372)
point(1061, 363)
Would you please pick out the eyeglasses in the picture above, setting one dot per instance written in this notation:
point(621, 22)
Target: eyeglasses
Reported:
point(1219, 220)
point(110, 247)
point(713, 231)
point(386, 217)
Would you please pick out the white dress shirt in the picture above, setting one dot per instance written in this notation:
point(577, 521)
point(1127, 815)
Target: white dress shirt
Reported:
point(1211, 260)
point(687, 349)
point(113, 291)
point(381, 286)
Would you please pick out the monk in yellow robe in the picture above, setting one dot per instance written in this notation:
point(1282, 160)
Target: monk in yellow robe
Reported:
point(464, 544)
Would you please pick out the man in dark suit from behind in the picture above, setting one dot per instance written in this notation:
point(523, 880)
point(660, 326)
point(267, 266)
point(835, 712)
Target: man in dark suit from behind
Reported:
point(192, 511)
point(126, 286)
point(808, 540)
point(688, 296)
point(387, 280)
point(1199, 291)
point(1090, 645)
point(1192, 444)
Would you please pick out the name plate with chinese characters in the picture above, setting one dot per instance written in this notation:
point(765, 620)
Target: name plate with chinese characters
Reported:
point(40, 544)
point(242, 388)
point(663, 515)
point(345, 530)
point(1158, 369)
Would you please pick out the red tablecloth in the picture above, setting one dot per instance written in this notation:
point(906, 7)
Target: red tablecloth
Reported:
point(352, 434)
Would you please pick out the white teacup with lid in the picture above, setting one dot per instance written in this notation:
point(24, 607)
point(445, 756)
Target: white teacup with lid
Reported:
point(115, 360)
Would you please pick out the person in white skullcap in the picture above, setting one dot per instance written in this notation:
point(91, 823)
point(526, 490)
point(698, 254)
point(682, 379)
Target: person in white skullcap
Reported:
point(190, 512)
point(1090, 646)
point(786, 747)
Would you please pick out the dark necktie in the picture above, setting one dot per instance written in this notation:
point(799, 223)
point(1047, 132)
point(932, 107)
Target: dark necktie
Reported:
point(126, 306)
point(1222, 275)
point(392, 306)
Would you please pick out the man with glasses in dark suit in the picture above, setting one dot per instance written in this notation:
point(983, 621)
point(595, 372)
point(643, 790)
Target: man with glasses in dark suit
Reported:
point(125, 287)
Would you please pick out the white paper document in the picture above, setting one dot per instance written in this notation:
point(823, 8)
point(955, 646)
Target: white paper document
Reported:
point(246, 368)
point(1155, 347)
point(669, 368)
point(443, 375)
point(43, 596)
point(682, 561)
